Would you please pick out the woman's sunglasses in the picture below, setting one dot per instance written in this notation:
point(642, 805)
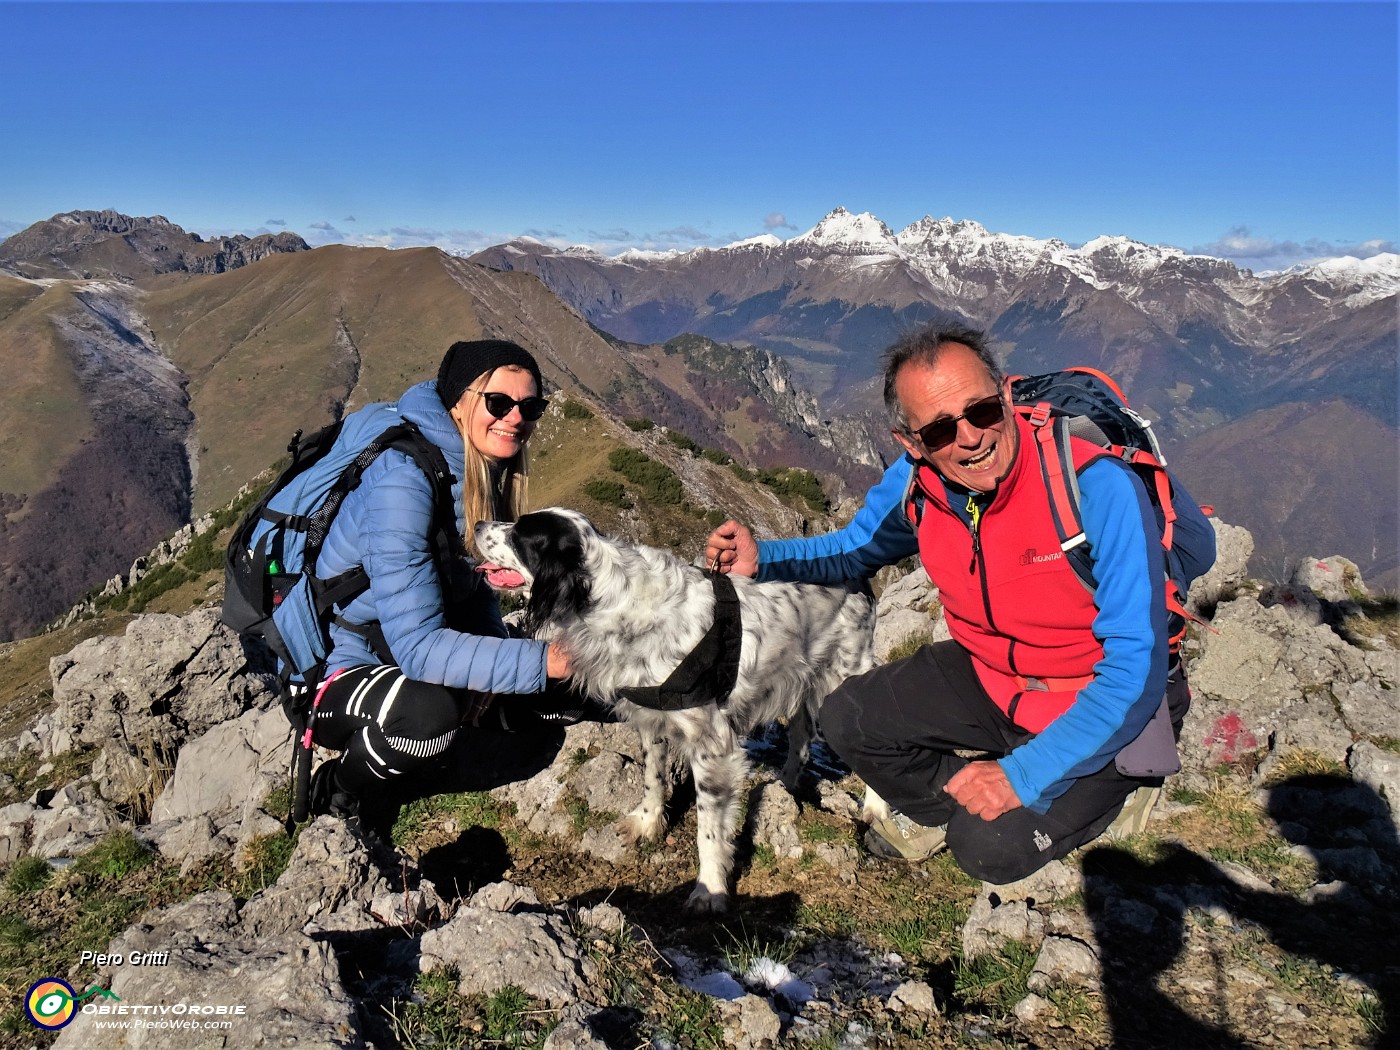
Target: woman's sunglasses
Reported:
point(499, 405)
point(982, 414)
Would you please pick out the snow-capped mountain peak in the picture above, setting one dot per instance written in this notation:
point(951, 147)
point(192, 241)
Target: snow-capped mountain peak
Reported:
point(944, 229)
point(763, 240)
point(842, 230)
point(1365, 280)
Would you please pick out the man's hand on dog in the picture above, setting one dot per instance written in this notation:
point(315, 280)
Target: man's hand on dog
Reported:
point(983, 790)
point(733, 547)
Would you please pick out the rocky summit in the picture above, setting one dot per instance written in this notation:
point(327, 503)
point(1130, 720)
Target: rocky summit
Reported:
point(95, 244)
point(1257, 909)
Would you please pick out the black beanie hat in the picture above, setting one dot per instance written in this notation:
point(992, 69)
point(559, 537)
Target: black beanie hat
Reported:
point(466, 361)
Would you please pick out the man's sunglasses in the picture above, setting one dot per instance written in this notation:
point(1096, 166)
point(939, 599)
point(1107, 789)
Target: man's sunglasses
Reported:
point(499, 405)
point(982, 414)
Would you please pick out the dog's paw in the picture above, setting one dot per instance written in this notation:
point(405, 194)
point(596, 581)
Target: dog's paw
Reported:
point(642, 825)
point(874, 808)
point(705, 902)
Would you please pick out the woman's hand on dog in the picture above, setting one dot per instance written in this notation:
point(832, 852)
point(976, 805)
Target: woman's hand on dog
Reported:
point(732, 548)
point(556, 661)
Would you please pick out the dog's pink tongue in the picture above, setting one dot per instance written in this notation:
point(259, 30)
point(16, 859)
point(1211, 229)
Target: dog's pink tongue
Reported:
point(496, 576)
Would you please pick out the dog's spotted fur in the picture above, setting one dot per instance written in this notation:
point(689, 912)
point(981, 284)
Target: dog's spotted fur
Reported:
point(628, 614)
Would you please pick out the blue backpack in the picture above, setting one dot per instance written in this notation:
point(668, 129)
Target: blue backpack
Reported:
point(271, 589)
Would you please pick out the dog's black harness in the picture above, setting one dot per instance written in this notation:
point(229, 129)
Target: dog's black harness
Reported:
point(708, 673)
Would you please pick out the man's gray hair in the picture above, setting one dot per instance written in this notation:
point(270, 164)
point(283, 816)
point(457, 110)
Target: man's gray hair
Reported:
point(923, 346)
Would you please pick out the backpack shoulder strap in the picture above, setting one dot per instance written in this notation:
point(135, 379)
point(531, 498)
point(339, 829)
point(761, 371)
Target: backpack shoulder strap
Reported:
point(403, 437)
point(1058, 474)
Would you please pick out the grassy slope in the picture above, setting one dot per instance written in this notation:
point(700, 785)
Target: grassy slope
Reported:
point(291, 341)
point(268, 348)
point(43, 417)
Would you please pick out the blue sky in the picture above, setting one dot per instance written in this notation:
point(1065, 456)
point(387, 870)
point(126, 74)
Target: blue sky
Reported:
point(1265, 133)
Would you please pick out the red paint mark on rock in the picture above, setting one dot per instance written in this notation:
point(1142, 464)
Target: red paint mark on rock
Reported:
point(1232, 736)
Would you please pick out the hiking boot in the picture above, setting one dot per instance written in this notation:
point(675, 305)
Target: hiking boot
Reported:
point(1136, 811)
point(898, 838)
point(322, 788)
point(372, 821)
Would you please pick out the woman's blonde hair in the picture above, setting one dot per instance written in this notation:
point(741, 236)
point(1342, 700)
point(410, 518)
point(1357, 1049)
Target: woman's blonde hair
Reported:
point(480, 502)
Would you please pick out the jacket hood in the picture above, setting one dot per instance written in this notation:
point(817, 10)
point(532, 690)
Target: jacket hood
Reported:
point(421, 405)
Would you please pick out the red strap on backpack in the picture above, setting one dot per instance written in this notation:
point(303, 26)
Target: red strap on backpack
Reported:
point(1057, 471)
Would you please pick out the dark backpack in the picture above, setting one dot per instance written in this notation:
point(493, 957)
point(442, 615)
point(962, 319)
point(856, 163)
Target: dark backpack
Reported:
point(271, 589)
point(1085, 403)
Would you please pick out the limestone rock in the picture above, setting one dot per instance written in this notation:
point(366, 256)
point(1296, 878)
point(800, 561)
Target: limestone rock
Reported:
point(221, 782)
point(773, 821)
point(916, 996)
point(505, 896)
point(71, 823)
point(1233, 547)
point(609, 778)
point(989, 926)
point(1334, 579)
point(536, 952)
point(288, 987)
point(750, 1023)
point(331, 880)
point(139, 697)
point(1063, 961)
point(1368, 709)
point(908, 608)
point(1378, 769)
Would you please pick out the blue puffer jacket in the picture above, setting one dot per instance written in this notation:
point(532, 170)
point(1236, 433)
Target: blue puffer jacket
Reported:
point(385, 525)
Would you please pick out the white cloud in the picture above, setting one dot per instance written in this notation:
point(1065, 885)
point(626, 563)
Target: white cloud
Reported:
point(348, 218)
point(324, 233)
point(274, 222)
point(776, 220)
point(1243, 248)
point(682, 238)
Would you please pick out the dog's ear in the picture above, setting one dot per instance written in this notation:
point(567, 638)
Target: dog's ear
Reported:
point(552, 548)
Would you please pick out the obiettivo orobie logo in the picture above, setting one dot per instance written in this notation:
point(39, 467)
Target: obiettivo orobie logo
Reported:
point(52, 1003)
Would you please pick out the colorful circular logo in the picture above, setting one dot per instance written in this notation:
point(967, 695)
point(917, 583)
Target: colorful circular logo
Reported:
point(49, 1003)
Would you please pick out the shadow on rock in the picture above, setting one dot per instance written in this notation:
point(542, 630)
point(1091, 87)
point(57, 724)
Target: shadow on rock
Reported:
point(1345, 923)
point(477, 856)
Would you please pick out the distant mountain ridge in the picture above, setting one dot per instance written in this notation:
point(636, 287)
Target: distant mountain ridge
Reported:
point(145, 384)
point(831, 298)
point(136, 398)
point(1201, 346)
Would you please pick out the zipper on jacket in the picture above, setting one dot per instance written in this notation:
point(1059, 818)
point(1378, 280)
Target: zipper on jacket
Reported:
point(978, 565)
point(975, 513)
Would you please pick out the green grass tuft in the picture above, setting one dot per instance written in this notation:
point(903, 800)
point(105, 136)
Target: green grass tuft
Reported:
point(27, 875)
point(115, 857)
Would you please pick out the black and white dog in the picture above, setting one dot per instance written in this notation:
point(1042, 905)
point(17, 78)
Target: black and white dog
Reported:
point(629, 615)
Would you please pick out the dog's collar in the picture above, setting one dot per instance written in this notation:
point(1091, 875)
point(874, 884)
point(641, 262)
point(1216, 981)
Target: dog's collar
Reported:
point(709, 671)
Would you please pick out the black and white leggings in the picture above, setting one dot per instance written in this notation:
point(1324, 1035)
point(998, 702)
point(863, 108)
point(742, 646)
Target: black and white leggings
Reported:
point(387, 726)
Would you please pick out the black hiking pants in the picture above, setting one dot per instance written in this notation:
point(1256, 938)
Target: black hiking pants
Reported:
point(899, 726)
